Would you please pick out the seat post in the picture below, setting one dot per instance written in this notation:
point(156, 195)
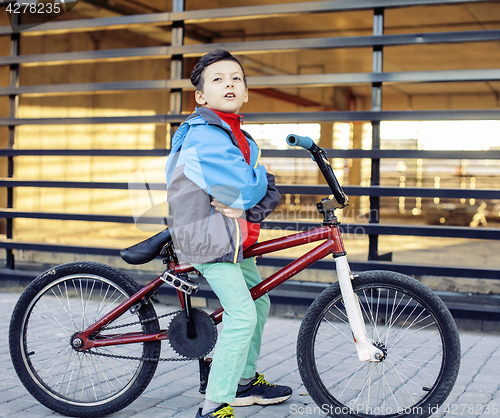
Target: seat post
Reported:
point(190, 330)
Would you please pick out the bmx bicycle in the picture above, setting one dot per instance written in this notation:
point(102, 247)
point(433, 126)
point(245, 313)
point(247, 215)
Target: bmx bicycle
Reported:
point(85, 338)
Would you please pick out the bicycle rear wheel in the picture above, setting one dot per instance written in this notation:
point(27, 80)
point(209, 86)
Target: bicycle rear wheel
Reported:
point(412, 327)
point(57, 304)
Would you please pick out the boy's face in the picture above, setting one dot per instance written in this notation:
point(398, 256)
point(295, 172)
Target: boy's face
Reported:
point(223, 87)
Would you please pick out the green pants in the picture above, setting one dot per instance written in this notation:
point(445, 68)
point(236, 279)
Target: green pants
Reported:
point(238, 345)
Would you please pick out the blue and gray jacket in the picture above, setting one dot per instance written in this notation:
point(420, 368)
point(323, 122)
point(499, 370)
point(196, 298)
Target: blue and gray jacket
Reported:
point(205, 163)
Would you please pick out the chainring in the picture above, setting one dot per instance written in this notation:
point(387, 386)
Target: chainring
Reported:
point(205, 330)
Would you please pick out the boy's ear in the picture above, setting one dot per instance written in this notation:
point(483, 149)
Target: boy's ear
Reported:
point(199, 97)
point(245, 100)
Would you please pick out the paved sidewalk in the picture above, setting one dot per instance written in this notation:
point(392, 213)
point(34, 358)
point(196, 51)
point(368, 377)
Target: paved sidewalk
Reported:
point(173, 391)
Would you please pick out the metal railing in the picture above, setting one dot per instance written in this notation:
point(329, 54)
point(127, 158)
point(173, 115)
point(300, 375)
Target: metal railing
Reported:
point(177, 20)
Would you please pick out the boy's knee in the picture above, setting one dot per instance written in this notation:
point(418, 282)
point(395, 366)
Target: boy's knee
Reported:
point(247, 318)
point(263, 305)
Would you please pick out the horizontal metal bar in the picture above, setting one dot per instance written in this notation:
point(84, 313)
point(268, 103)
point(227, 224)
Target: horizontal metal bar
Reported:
point(322, 80)
point(384, 153)
point(6, 182)
point(13, 214)
point(347, 228)
point(94, 24)
point(78, 88)
point(157, 152)
point(368, 41)
point(425, 231)
point(384, 229)
point(277, 117)
point(154, 119)
point(293, 189)
point(421, 270)
point(151, 220)
point(166, 52)
point(73, 57)
point(303, 80)
point(394, 191)
point(267, 153)
point(356, 266)
point(222, 14)
point(357, 116)
point(422, 192)
point(72, 249)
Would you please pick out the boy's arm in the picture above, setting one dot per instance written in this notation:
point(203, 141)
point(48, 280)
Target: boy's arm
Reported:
point(214, 164)
point(264, 208)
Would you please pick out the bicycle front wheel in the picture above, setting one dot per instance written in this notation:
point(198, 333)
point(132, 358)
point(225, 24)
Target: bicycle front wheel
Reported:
point(408, 322)
point(61, 302)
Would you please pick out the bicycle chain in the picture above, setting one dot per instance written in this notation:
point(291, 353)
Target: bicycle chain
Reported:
point(96, 353)
point(144, 321)
point(142, 358)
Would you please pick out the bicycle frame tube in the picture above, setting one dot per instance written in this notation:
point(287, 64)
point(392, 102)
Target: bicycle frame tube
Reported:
point(332, 244)
point(129, 338)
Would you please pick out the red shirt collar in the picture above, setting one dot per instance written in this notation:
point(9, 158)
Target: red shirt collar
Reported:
point(234, 120)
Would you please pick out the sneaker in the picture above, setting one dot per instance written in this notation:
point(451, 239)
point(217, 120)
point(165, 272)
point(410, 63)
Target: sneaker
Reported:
point(223, 411)
point(259, 391)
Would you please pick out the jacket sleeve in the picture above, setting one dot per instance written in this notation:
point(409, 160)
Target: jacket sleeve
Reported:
point(263, 209)
point(214, 164)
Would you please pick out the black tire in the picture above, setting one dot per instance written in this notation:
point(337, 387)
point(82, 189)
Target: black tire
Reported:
point(408, 322)
point(57, 304)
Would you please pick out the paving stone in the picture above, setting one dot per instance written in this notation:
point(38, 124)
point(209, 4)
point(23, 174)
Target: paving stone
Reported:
point(155, 412)
point(144, 403)
point(13, 407)
point(28, 414)
point(173, 392)
point(38, 408)
point(474, 398)
point(180, 402)
point(247, 411)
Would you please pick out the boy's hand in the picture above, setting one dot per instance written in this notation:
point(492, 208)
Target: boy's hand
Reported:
point(226, 210)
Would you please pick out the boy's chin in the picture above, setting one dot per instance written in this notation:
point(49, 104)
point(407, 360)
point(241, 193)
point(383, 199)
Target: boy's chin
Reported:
point(225, 109)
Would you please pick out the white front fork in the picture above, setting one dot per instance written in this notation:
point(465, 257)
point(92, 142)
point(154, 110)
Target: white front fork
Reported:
point(364, 346)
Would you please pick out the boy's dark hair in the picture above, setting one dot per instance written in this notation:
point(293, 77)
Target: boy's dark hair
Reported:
point(208, 59)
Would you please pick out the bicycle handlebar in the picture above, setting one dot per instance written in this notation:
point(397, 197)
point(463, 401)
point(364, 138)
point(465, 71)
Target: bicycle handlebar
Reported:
point(320, 157)
point(299, 141)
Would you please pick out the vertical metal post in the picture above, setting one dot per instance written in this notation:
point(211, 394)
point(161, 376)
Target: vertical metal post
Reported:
point(176, 63)
point(13, 105)
point(378, 30)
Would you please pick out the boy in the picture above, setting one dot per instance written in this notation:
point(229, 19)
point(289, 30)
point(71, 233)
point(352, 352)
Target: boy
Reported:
point(218, 193)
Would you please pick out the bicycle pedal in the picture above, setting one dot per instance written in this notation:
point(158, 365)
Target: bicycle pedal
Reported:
point(180, 282)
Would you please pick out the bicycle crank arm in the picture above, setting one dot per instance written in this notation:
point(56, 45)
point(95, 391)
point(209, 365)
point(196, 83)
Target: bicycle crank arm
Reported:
point(364, 347)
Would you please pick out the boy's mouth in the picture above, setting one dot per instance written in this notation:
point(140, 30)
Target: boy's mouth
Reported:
point(230, 95)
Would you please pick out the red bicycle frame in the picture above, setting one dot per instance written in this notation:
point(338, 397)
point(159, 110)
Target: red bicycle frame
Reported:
point(333, 245)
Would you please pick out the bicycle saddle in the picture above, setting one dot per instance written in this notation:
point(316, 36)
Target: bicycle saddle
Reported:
point(146, 250)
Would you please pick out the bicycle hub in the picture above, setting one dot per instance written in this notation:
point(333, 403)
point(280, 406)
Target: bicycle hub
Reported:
point(77, 343)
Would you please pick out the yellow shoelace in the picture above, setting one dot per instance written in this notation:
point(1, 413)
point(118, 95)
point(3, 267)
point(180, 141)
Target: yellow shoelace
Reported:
point(261, 381)
point(226, 412)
